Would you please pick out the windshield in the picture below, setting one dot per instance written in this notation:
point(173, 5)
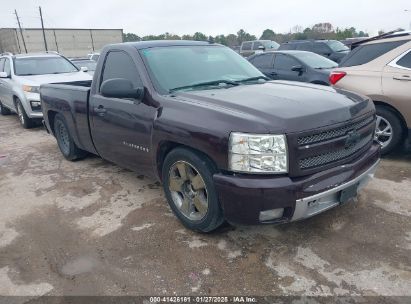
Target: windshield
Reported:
point(337, 46)
point(184, 66)
point(316, 61)
point(89, 64)
point(42, 65)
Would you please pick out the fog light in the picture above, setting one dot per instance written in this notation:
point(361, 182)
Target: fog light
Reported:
point(270, 215)
point(35, 105)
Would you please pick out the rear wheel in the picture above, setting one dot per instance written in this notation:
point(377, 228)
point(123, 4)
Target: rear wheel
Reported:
point(389, 132)
point(189, 188)
point(64, 140)
point(25, 121)
point(4, 110)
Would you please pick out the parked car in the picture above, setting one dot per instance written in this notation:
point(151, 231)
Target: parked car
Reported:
point(93, 56)
point(381, 70)
point(294, 65)
point(20, 79)
point(226, 143)
point(249, 48)
point(331, 49)
point(88, 65)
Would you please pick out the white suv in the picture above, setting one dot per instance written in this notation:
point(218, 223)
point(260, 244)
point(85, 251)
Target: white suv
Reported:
point(21, 77)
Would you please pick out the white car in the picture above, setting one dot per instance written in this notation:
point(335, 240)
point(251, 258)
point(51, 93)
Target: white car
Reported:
point(21, 77)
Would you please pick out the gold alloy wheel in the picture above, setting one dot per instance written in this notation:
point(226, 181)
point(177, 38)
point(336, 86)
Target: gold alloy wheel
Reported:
point(188, 191)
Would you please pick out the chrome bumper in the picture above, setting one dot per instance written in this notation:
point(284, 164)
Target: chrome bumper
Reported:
point(313, 205)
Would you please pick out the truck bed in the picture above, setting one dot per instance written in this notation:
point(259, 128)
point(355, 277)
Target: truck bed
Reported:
point(71, 99)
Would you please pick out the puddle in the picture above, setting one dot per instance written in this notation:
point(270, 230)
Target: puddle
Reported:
point(79, 266)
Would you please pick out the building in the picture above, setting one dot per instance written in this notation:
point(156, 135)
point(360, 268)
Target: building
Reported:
point(68, 42)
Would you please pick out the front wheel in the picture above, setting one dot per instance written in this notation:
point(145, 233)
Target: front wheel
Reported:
point(25, 121)
point(64, 140)
point(189, 189)
point(389, 132)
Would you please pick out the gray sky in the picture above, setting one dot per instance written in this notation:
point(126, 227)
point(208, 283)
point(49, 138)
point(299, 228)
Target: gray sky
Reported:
point(211, 17)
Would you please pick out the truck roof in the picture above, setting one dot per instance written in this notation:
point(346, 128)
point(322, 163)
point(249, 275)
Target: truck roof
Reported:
point(164, 43)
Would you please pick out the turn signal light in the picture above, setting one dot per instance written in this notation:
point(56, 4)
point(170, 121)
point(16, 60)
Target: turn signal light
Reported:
point(336, 77)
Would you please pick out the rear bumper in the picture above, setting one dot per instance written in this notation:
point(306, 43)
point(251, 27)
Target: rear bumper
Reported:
point(243, 197)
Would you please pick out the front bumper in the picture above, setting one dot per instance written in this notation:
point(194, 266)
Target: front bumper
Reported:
point(243, 197)
point(31, 113)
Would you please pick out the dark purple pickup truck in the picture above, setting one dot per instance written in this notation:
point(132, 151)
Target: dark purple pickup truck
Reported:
point(226, 143)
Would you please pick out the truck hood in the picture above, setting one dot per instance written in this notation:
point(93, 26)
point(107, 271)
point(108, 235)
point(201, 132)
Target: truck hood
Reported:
point(284, 106)
point(54, 78)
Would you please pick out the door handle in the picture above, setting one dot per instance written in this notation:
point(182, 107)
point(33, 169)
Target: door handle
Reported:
point(402, 78)
point(272, 74)
point(100, 110)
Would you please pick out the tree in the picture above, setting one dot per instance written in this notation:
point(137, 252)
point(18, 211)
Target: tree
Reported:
point(221, 39)
point(268, 35)
point(232, 40)
point(199, 37)
point(187, 37)
point(244, 36)
point(130, 37)
point(324, 27)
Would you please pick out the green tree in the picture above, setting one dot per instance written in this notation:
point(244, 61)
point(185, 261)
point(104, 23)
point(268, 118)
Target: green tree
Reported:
point(199, 37)
point(232, 40)
point(268, 35)
point(221, 39)
point(130, 37)
point(244, 36)
point(187, 37)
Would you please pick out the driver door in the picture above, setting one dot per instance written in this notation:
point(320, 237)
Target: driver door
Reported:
point(121, 128)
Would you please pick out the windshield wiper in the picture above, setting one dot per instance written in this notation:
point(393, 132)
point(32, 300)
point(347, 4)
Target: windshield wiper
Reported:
point(253, 79)
point(204, 84)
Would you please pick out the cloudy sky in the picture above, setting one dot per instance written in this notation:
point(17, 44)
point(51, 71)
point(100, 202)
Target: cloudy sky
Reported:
point(211, 17)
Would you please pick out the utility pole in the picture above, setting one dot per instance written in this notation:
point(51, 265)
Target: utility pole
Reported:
point(42, 26)
point(21, 31)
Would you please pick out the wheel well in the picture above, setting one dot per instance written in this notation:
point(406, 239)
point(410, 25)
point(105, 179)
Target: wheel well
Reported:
point(395, 111)
point(15, 100)
point(51, 115)
point(166, 147)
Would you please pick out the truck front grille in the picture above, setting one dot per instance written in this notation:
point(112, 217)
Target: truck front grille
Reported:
point(334, 133)
point(333, 156)
point(324, 148)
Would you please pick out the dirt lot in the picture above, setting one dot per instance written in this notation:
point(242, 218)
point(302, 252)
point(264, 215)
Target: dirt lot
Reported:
point(92, 228)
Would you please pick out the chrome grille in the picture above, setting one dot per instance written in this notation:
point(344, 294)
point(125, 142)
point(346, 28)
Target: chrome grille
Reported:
point(336, 155)
point(334, 133)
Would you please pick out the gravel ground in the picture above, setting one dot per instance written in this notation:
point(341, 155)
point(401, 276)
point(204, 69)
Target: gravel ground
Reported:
point(93, 228)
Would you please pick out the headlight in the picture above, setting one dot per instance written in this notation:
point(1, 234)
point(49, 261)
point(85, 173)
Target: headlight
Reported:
point(256, 153)
point(31, 89)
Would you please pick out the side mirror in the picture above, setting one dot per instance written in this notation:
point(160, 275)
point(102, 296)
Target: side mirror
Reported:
point(297, 68)
point(84, 69)
point(121, 88)
point(4, 75)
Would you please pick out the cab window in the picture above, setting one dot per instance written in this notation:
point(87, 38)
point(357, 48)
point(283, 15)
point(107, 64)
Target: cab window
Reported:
point(119, 64)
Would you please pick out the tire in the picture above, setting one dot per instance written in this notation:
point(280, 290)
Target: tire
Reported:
point(25, 121)
point(191, 193)
point(4, 110)
point(64, 140)
point(389, 132)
